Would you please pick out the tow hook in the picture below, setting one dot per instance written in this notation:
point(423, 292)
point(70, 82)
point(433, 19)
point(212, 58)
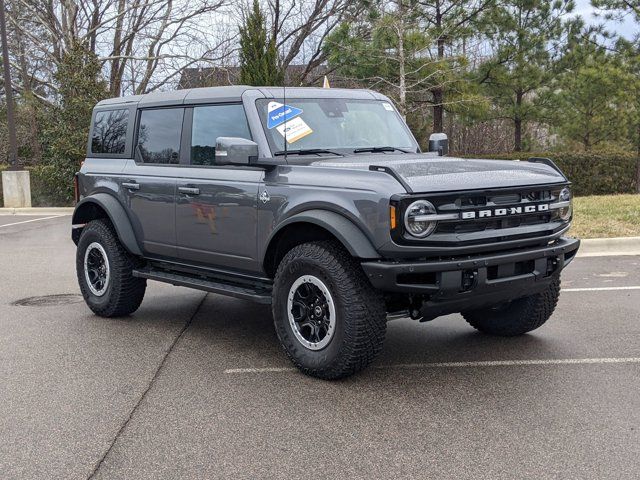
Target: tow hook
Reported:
point(415, 314)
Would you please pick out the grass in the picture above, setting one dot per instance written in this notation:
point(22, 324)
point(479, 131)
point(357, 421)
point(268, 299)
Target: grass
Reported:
point(606, 216)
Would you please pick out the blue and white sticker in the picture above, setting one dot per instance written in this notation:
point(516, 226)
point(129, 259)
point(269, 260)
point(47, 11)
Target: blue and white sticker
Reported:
point(277, 114)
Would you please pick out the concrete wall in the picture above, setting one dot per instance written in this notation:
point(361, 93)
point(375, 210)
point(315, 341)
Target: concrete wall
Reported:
point(16, 189)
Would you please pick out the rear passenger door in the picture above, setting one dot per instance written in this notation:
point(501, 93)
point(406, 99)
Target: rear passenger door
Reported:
point(150, 179)
point(216, 205)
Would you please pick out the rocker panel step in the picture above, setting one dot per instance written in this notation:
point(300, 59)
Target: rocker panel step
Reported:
point(259, 295)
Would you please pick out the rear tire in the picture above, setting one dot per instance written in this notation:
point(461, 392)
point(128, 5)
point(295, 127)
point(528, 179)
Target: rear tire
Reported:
point(329, 319)
point(104, 270)
point(518, 316)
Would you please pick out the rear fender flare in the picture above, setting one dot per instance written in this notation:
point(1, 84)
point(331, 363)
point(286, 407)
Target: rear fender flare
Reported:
point(116, 213)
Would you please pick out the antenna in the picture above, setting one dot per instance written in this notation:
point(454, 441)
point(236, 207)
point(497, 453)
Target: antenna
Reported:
point(284, 109)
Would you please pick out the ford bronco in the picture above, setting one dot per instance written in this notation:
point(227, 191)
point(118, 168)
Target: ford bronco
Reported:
point(320, 203)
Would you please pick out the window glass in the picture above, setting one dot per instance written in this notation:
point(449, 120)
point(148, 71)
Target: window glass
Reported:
point(212, 122)
point(159, 135)
point(333, 123)
point(110, 131)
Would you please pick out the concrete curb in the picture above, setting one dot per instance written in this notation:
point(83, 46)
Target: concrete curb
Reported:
point(604, 247)
point(37, 211)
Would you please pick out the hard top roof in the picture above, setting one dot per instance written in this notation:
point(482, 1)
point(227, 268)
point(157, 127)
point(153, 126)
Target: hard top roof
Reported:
point(234, 94)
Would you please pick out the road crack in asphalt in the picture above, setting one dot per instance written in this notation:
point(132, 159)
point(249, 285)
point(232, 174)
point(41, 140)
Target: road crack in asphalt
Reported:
point(146, 391)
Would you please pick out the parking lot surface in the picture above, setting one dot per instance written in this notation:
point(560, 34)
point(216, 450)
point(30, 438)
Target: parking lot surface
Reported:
point(195, 385)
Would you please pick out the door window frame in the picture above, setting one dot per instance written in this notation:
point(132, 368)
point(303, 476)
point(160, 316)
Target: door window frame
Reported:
point(137, 132)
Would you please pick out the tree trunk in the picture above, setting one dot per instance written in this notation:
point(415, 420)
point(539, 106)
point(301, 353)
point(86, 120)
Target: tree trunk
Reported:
point(438, 90)
point(438, 111)
point(402, 94)
point(517, 123)
point(115, 77)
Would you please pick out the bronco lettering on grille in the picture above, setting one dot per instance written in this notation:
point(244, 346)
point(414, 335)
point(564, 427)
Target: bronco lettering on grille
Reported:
point(504, 211)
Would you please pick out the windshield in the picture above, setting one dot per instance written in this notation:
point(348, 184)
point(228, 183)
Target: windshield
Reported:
point(334, 124)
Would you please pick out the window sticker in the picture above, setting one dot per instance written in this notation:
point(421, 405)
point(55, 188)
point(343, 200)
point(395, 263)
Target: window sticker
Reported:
point(387, 106)
point(294, 130)
point(277, 114)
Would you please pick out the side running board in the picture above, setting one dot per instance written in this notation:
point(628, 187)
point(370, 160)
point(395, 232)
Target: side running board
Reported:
point(254, 292)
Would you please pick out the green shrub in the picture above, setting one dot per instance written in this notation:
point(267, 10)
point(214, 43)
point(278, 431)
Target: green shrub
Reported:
point(592, 173)
point(52, 183)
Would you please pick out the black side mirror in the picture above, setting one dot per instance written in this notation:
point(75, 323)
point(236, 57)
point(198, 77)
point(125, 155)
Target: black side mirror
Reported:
point(438, 142)
point(235, 151)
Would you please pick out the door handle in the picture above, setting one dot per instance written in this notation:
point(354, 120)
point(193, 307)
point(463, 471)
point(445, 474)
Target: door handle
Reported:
point(131, 185)
point(189, 190)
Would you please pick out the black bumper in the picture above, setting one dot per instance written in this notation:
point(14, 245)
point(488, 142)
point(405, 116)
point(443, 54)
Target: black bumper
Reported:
point(470, 282)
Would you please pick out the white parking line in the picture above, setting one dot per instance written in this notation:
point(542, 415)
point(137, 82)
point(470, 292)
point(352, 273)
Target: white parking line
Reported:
point(489, 363)
point(32, 220)
point(600, 289)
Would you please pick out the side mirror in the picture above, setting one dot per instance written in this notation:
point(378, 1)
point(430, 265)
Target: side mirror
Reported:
point(235, 151)
point(438, 142)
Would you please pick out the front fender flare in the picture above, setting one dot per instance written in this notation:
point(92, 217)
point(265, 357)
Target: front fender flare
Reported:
point(116, 213)
point(352, 237)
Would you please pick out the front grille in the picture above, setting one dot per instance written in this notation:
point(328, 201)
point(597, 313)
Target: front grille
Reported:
point(494, 224)
point(494, 229)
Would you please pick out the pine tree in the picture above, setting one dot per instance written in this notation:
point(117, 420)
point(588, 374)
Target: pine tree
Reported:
point(592, 96)
point(525, 34)
point(81, 86)
point(258, 54)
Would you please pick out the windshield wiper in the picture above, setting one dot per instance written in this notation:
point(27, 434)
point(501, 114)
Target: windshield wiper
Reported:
point(380, 149)
point(306, 151)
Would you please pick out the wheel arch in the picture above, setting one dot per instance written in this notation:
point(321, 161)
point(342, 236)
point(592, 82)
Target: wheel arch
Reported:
point(104, 205)
point(314, 225)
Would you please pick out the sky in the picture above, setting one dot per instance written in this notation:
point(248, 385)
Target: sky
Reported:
point(588, 13)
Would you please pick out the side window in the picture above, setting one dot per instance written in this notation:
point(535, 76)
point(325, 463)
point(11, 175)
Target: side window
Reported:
point(109, 131)
point(159, 135)
point(212, 122)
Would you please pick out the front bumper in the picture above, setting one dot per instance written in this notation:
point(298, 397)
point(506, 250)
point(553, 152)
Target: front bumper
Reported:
point(453, 285)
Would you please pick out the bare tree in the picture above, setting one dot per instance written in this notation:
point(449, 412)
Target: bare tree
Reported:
point(143, 44)
point(300, 27)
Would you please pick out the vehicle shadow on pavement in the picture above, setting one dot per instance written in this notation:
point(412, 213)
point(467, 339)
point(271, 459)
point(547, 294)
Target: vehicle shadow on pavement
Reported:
point(237, 334)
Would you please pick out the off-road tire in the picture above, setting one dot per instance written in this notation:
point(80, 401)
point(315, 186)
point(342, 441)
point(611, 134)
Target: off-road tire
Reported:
point(518, 316)
point(124, 292)
point(360, 311)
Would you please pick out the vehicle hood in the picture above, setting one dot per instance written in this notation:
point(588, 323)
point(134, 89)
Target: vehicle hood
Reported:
point(431, 173)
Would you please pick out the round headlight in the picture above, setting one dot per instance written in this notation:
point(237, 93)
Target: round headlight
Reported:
point(565, 212)
point(415, 225)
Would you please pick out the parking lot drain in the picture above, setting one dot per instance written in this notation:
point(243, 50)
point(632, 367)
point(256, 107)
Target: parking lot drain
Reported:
point(49, 300)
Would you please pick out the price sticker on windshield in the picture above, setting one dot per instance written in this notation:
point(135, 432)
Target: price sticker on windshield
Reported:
point(294, 130)
point(277, 114)
point(387, 106)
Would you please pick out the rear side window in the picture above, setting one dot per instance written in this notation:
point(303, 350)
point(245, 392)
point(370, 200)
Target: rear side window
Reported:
point(215, 121)
point(159, 135)
point(110, 131)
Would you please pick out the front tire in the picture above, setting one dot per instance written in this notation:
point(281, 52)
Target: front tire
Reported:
point(518, 316)
point(105, 272)
point(328, 318)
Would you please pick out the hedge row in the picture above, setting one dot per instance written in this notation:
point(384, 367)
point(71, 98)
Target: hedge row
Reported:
point(601, 173)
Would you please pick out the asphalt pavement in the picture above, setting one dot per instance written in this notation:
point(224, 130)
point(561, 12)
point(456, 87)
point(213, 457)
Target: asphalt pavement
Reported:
point(195, 385)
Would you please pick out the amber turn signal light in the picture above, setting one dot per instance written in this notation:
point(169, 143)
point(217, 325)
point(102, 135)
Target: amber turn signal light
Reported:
point(392, 217)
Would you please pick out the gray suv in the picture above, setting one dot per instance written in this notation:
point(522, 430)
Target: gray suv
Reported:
point(320, 203)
